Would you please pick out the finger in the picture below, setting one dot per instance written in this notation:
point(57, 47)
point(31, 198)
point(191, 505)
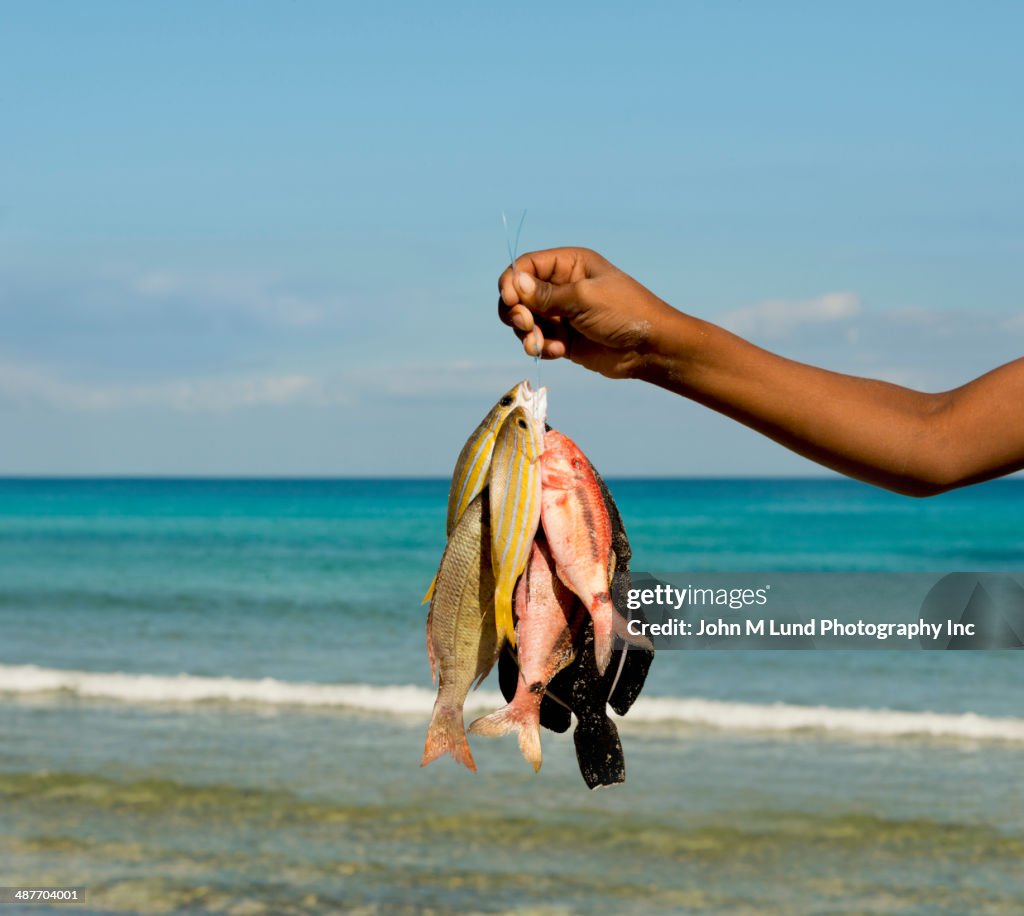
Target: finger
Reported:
point(553, 328)
point(518, 317)
point(555, 265)
point(558, 265)
point(548, 299)
point(549, 348)
point(504, 312)
point(509, 293)
point(533, 343)
point(553, 349)
point(521, 318)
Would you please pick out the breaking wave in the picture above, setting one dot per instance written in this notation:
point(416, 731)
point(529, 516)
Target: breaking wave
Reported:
point(27, 680)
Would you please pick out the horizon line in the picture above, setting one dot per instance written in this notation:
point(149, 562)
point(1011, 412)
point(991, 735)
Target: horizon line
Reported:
point(827, 476)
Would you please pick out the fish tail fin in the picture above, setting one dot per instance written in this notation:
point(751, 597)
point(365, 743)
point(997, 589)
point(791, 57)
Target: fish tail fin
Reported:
point(447, 735)
point(599, 753)
point(512, 718)
point(604, 627)
point(621, 629)
point(503, 615)
point(430, 591)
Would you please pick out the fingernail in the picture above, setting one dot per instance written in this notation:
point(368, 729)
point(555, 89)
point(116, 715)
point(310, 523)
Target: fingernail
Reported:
point(526, 283)
point(519, 321)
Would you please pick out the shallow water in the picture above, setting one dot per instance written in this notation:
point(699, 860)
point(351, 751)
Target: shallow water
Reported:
point(164, 794)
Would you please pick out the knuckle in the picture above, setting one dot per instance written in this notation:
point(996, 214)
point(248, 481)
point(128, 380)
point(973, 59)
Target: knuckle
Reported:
point(543, 295)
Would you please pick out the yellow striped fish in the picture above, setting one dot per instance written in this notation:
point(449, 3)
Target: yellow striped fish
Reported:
point(474, 462)
point(515, 504)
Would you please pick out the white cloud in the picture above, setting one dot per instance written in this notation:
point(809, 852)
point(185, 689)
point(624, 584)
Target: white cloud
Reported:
point(778, 318)
point(437, 383)
point(1014, 325)
point(254, 296)
point(36, 385)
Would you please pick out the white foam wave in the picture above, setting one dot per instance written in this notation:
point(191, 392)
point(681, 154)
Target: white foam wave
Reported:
point(187, 688)
point(783, 717)
point(24, 680)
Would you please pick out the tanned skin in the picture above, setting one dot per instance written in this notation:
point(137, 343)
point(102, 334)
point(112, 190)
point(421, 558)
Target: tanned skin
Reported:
point(572, 303)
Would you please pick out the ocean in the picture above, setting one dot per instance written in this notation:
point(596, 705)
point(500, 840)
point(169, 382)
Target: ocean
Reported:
point(214, 695)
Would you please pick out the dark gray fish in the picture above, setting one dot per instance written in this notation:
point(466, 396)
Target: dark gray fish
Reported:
point(598, 748)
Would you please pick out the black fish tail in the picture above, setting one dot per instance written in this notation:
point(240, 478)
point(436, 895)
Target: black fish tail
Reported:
point(599, 753)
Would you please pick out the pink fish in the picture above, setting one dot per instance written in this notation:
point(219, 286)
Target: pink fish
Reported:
point(579, 535)
point(545, 628)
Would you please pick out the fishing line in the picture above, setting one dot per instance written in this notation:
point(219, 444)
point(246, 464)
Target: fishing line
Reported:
point(622, 659)
point(512, 243)
point(547, 693)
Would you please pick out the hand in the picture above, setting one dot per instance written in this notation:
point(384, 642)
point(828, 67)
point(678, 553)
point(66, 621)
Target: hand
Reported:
point(572, 303)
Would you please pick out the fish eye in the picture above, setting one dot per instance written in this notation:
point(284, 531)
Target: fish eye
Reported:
point(505, 401)
point(522, 423)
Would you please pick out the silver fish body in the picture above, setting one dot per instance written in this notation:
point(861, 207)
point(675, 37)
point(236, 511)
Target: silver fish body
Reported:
point(462, 643)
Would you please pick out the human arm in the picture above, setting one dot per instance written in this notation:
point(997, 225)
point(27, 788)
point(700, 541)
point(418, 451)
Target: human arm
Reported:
point(573, 303)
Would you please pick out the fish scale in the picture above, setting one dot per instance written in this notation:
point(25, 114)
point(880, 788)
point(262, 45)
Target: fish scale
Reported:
point(461, 638)
point(529, 514)
point(515, 498)
point(474, 462)
point(579, 533)
point(546, 625)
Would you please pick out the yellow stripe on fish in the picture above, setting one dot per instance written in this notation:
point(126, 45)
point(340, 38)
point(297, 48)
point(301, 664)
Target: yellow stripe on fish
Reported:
point(474, 462)
point(515, 506)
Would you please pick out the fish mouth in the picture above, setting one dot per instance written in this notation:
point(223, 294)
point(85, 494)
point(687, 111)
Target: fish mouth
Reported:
point(534, 400)
point(540, 404)
point(525, 394)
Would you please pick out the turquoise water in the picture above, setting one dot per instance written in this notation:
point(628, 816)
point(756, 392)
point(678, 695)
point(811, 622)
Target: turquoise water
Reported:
point(164, 793)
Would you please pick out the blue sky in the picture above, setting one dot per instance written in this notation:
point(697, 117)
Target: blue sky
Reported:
point(264, 237)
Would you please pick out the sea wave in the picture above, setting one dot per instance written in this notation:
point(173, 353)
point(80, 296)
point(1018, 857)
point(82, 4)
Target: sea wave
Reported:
point(27, 680)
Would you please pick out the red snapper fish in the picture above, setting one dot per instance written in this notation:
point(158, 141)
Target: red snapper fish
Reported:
point(579, 534)
point(545, 629)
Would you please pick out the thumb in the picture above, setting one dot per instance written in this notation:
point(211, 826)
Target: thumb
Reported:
point(554, 300)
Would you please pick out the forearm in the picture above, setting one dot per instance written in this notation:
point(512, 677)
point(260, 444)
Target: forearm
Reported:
point(589, 311)
point(881, 433)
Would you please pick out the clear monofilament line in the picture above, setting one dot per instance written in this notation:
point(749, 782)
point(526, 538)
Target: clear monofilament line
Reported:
point(512, 243)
